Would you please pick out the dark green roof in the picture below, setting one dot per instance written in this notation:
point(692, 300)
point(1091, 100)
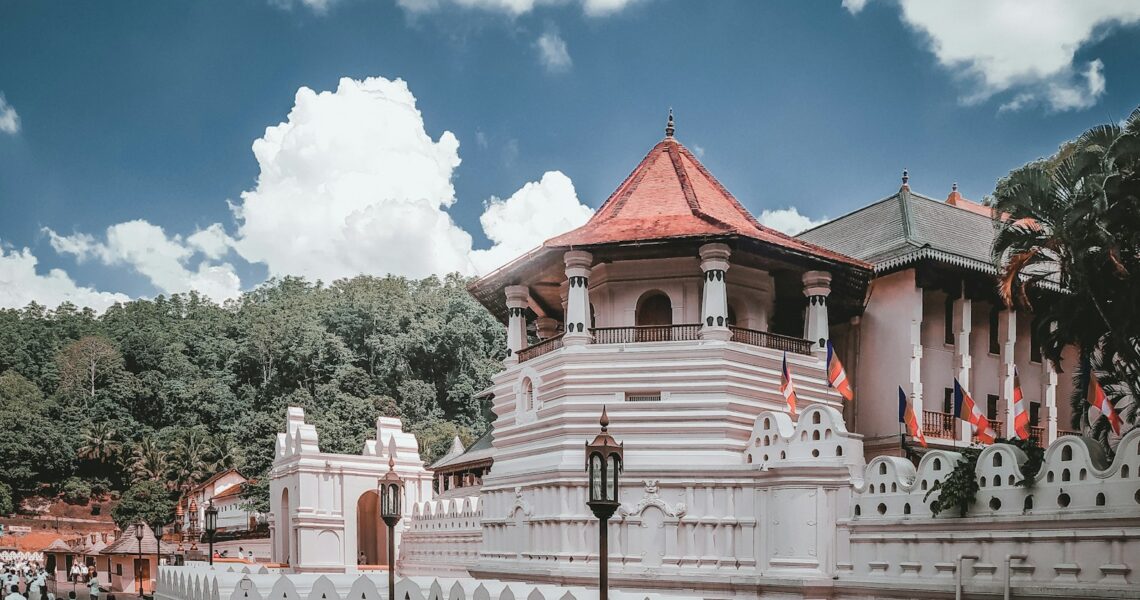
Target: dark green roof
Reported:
point(907, 227)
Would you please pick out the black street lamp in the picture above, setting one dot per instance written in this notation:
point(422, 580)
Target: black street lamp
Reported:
point(139, 531)
point(157, 528)
point(391, 490)
point(211, 526)
point(604, 464)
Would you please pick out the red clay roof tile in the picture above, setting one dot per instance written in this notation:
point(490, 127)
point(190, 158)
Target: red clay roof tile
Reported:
point(672, 195)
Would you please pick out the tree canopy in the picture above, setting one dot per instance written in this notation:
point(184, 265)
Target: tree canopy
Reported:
point(176, 388)
point(1068, 246)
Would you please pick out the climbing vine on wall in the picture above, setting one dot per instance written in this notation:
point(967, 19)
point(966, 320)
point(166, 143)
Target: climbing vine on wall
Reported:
point(1035, 456)
point(959, 489)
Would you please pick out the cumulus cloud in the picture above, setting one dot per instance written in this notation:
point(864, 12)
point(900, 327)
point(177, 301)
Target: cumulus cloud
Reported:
point(166, 261)
point(593, 8)
point(789, 220)
point(352, 183)
point(537, 212)
point(9, 120)
point(552, 52)
point(20, 285)
point(1028, 48)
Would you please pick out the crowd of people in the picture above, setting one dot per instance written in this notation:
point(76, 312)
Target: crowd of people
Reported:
point(24, 580)
point(28, 580)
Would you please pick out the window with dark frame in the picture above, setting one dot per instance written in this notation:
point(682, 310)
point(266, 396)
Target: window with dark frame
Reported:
point(948, 321)
point(992, 406)
point(1034, 344)
point(948, 401)
point(1034, 414)
point(995, 341)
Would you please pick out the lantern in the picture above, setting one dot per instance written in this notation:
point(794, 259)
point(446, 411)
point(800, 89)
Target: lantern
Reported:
point(604, 458)
point(391, 490)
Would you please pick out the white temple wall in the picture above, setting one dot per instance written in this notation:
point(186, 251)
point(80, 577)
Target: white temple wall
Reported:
point(886, 332)
point(315, 497)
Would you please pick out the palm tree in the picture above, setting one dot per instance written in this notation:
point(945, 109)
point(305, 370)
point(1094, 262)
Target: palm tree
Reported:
point(100, 443)
point(1068, 247)
point(226, 455)
point(148, 461)
point(190, 459)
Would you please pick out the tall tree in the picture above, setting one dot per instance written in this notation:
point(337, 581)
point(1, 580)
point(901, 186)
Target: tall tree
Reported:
point(1068, 246)
point(86, 362)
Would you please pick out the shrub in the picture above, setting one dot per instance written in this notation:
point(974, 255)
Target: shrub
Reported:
point(76, 491)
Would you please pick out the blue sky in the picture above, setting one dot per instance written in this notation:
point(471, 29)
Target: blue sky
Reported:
point(141, 116)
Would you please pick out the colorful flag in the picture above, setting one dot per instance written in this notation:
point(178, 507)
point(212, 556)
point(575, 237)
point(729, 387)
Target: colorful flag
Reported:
point(906, 416)
point(787, 388)
point(1020, 410)
point(968, 411)
point(1099, 404)
point(836, 376)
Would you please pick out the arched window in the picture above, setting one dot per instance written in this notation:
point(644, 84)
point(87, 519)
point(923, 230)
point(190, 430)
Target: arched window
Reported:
point(528, 394)
point(654, 308)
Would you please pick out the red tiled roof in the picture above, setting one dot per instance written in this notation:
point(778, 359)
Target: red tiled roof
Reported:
point(233, 490)
point(672, 195)
point(957, 199)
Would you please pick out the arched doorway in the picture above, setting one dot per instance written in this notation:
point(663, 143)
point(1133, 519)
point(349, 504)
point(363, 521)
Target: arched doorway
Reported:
point(653, 316)
point(371, 532)
point(285, 527)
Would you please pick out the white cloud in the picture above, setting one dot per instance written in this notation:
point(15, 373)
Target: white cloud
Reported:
point(593, 8)
point(789, 220)
point(1000, 46)
point(537, 212)
point(20, 285)
point(9, 120)
point(352, 183)
point(162, 259)
point(552, 52)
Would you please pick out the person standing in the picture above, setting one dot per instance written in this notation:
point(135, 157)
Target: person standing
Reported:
point(95, 588)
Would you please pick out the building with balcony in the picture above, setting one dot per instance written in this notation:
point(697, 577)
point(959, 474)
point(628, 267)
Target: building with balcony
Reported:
point(934, 315)
point(674, 310)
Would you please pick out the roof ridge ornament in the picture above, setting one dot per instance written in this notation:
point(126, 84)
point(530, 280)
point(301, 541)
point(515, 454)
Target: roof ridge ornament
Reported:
point(669, 128)
point(906, 179)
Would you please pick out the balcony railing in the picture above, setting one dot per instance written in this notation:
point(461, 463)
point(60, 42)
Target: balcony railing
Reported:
point(1038, 434)
point(672, 333)
point(1061, 432)
point(547, 345)
point(938, 424)
point(774, 341)
point(646, 333)
point(997, 426)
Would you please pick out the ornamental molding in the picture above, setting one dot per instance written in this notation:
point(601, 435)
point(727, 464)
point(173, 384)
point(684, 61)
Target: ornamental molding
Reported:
point(520, 504)
point(652, 497)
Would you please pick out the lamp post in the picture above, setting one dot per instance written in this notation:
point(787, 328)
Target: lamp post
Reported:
point(604, 458)
point(157, 528)
point(211, 526)
point(391, 490)
point(139, 527)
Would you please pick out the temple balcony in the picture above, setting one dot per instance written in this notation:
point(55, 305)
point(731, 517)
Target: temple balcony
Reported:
point(672, 333)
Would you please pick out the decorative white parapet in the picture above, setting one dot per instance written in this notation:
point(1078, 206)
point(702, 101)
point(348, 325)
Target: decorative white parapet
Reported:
point(443, 537)
point(201, 582)
point(1077, 523)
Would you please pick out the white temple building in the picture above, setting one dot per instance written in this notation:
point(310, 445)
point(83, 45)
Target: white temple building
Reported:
point(674, 309)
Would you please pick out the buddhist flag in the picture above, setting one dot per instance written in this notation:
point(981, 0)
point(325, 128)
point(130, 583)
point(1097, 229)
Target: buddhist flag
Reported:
point(836, 376)
point(1020, 410)
point(965, 409)
point(906, 416)
point(787, 388)
point(1099, 404)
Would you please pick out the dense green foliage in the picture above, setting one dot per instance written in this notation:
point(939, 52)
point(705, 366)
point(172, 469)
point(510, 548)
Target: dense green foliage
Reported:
point(1074, 221)
point(145, 501)
point(960, 488)
point(176, 388)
